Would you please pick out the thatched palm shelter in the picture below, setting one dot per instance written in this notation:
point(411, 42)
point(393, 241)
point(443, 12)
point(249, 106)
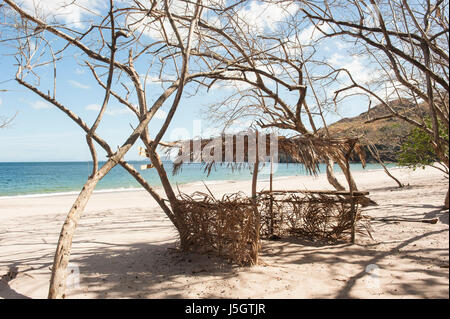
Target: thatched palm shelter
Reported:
point(231, 226)
point(307, 150)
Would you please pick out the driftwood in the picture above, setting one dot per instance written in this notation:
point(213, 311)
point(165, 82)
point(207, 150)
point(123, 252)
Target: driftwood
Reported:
point(426, 221)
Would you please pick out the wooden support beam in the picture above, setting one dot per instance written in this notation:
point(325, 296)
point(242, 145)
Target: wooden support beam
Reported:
point(324, 192)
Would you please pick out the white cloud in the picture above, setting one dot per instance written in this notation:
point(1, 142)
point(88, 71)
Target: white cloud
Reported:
point(342, 45)
point(234, 85)
point(79, 85)
point(93, 107)
point(109, 111)
point(150, 79)
point(357, 66)
point(69, 11)
point(139, 22)
point(367, 74)
point(273, 70)
point(260, 16)
point(310, 34)
point(40, 105)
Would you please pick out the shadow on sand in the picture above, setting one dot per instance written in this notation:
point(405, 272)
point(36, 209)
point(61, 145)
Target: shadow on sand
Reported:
point(145, 269)
point(6, 291)
point(159, 269)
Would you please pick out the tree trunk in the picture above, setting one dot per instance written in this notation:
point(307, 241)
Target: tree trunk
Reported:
point(255, 202)
point(256, 212)
point(352, 188)
point(362, 200)
point(62, 255)
point(332, 178)
point(271, 198)
point(177, 214)
point(374, 151)
point(348, 176)
point(400, 185)
point(353, 211)
point(446, 200)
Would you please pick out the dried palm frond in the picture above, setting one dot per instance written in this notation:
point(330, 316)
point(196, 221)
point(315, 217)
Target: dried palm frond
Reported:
point(226, 227)
point(231, 226)
point(324, 216)
point(308, 150)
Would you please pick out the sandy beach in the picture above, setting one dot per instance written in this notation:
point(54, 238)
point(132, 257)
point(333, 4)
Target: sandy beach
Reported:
point(125, 247)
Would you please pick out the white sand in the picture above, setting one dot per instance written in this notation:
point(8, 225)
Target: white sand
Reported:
point(124, 248)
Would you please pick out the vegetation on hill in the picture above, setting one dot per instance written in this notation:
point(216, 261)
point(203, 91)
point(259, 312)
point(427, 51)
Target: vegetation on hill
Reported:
point(417, 152)
point(387, 134)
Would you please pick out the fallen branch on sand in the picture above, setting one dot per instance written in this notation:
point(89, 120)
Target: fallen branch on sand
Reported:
point(428, 221)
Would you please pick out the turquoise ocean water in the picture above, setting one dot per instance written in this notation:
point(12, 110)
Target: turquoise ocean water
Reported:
point(44, 178)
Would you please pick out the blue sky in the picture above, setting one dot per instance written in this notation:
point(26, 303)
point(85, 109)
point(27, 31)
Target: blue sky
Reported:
point(41, 132)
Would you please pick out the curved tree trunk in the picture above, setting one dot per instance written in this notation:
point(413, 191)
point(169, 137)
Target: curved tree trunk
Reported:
point(332, 178)
point(400, 185)
point(177, 220)
point(348, 175)
point(363, 200)
point(374, 151)
point(62, 255)
point(176, 215)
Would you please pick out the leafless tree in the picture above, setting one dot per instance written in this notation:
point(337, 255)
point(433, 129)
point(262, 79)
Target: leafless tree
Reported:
point(268, 72)
point(111, 46)
point(204, 44)
point(408, 41)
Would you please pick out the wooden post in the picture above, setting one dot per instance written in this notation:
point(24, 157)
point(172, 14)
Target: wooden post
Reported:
point(446, 200)
point(255, 179)
point(352, 197)
point(271, 197)
point(353, 212)
point(255, 203)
